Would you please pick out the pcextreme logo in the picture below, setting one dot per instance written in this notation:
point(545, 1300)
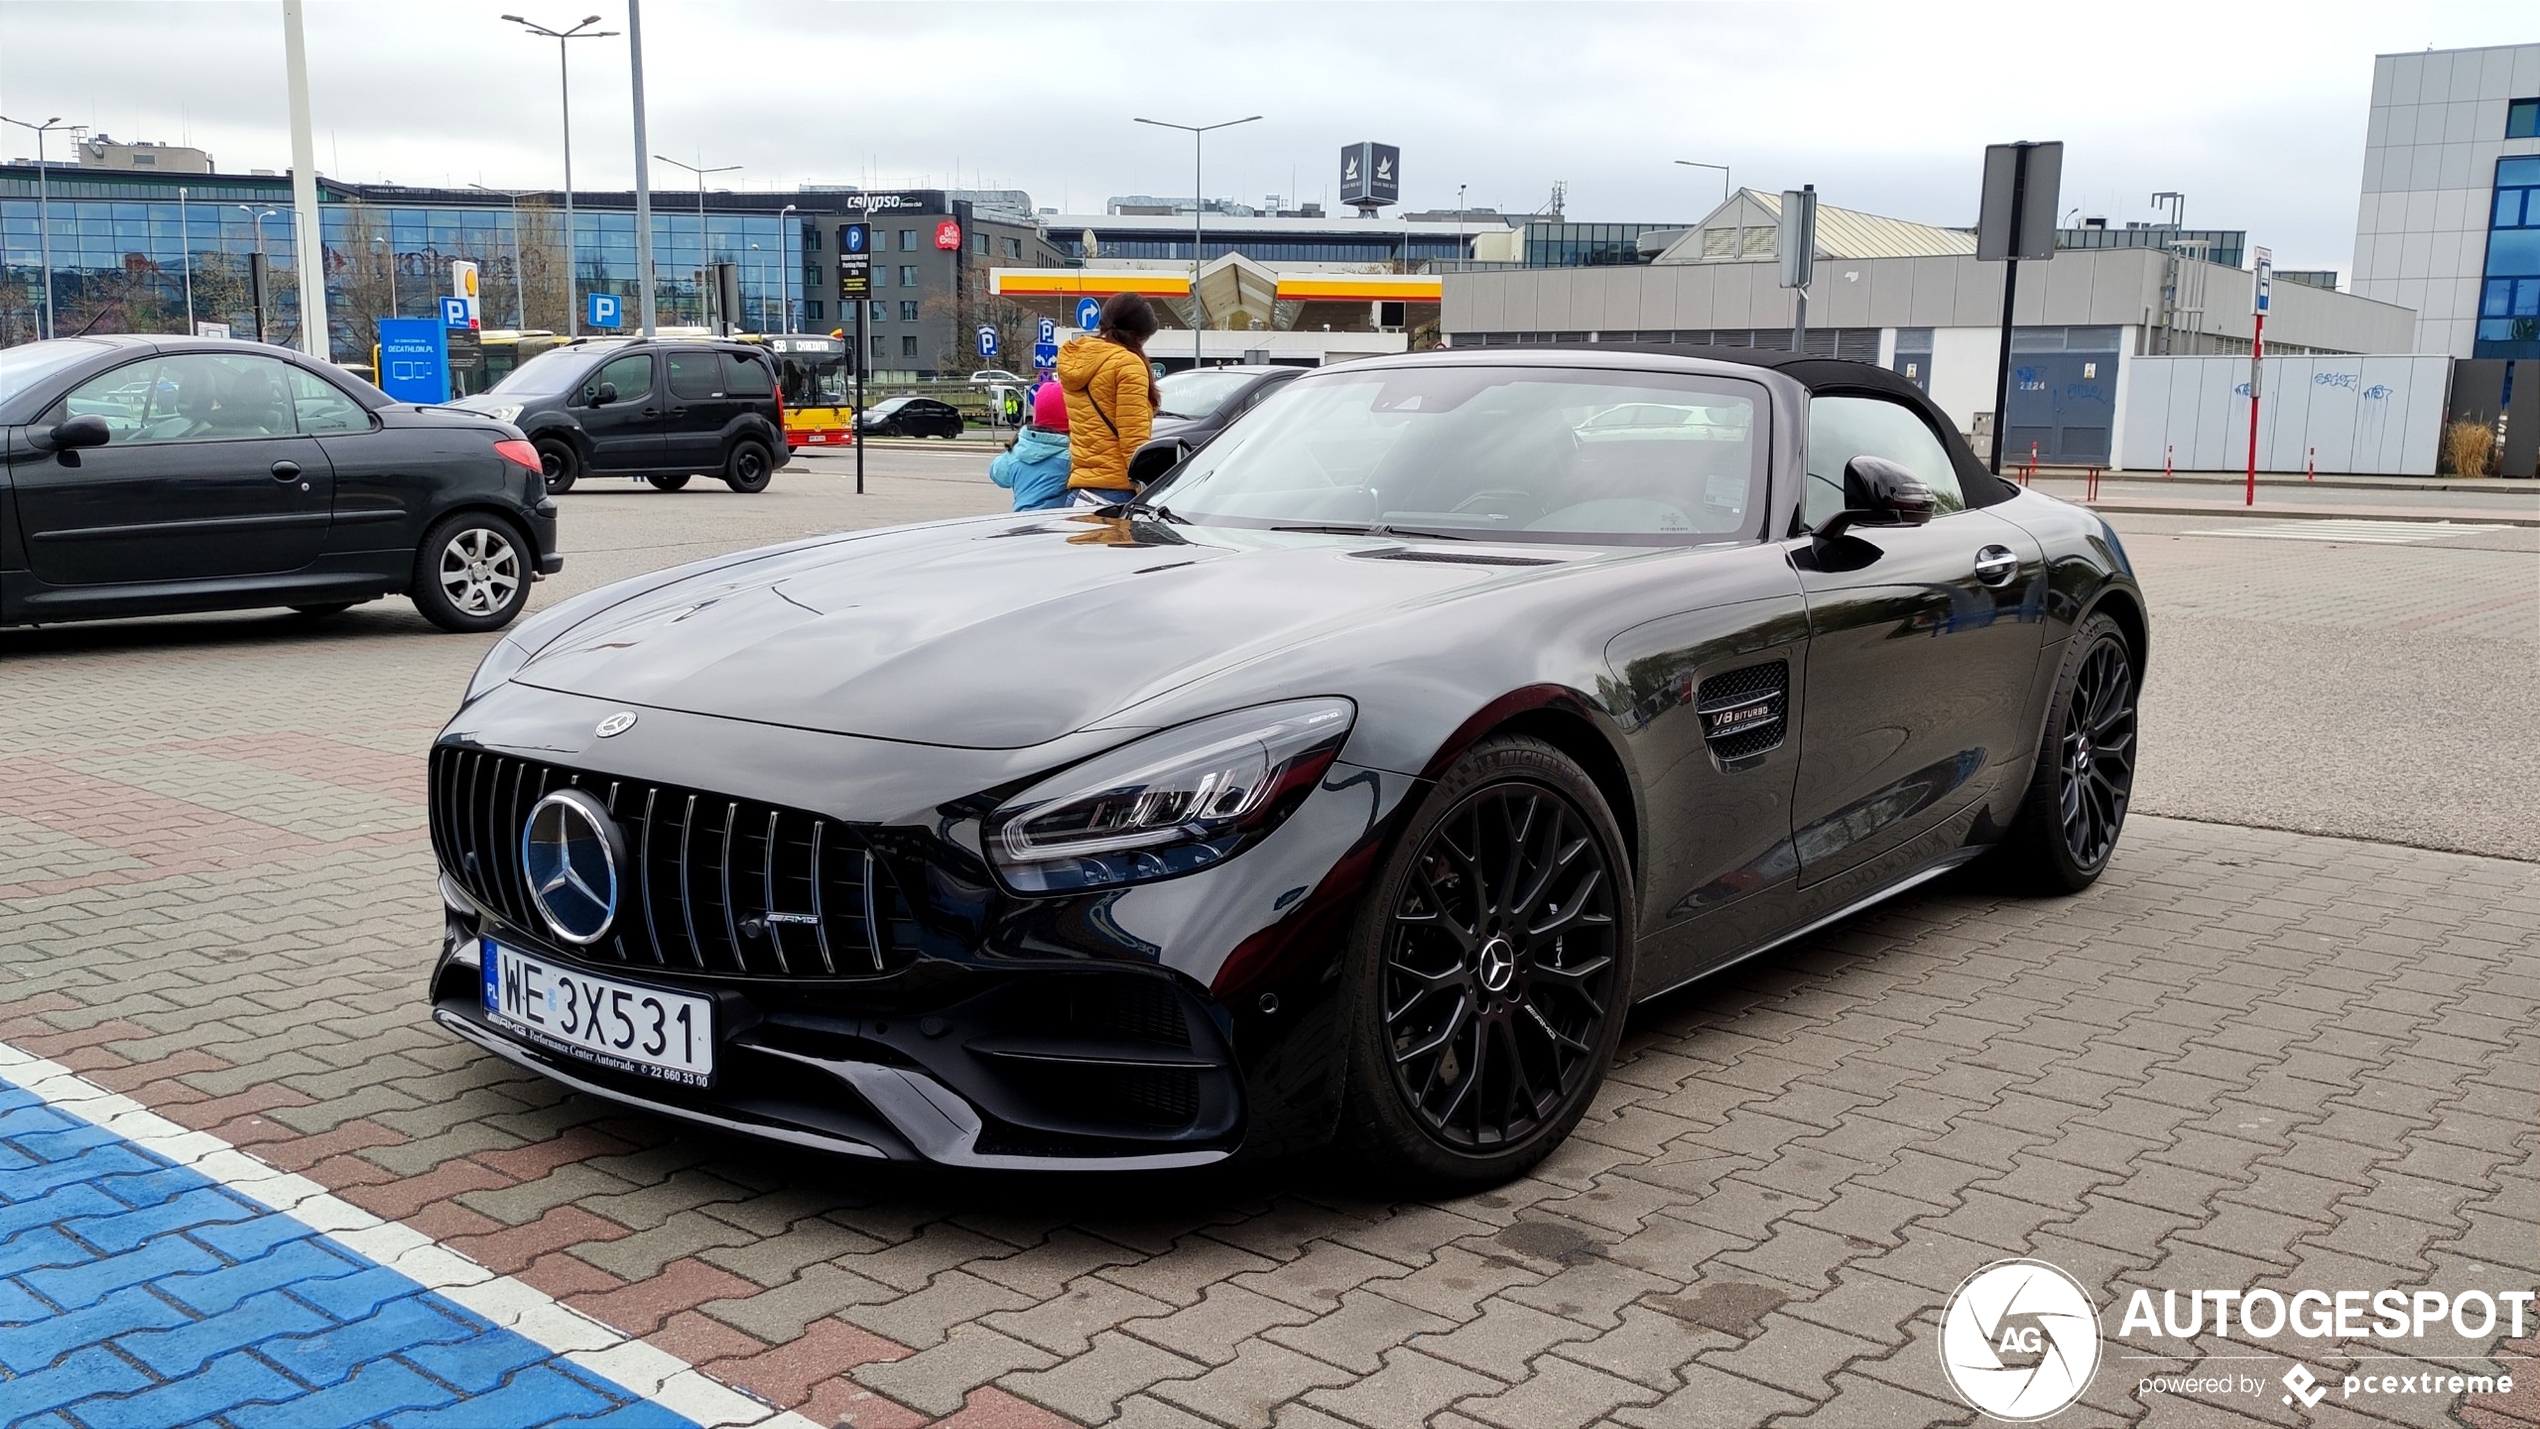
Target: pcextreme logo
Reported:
point(2019, 1340)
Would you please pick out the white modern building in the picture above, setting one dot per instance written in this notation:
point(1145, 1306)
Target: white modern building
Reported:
point(2449, 223)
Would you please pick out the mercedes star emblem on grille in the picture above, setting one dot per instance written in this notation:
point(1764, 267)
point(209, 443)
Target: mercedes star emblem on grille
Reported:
point(571, 851)
point(616, 724)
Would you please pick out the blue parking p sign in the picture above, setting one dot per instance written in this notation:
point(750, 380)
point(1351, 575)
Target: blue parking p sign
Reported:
point(987, 341)
point(1049, 331)
point(454, 312)
point(604, 310)
point(1088, 314)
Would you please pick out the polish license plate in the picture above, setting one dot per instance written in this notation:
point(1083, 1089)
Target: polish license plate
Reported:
point(623, 1026)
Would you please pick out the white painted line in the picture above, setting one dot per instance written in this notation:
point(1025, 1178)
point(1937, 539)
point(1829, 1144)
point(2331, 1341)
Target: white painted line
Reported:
point(2353, 530)
point(641, 1369)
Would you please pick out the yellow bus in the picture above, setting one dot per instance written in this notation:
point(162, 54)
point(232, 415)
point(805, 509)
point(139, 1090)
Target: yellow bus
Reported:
point(817, 388)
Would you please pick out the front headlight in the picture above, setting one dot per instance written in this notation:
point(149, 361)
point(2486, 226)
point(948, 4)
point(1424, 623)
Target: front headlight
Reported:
point(502, 411)
point(499, 664)
point(1170, 803)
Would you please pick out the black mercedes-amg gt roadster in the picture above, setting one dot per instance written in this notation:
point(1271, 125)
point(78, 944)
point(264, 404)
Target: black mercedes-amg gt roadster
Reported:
point(1352, 783)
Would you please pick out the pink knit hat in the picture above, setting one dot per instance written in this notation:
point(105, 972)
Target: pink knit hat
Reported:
point(1049, 408)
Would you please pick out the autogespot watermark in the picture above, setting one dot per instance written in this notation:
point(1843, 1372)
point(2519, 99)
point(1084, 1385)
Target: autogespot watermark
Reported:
point(2020, 1341)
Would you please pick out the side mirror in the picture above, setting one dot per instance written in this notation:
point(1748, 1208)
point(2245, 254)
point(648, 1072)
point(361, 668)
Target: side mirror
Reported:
point(606, 394)
point(88, 431)
point(1153, 460)
point(1879, 492)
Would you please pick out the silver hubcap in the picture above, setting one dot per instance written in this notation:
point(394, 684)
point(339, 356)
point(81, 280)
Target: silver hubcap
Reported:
point(480, 570)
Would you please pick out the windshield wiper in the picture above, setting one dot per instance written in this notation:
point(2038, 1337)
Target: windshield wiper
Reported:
point(1140, 508)
point(1379, 529)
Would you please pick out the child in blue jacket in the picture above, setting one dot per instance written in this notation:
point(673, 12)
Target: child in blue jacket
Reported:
point(1035, 467)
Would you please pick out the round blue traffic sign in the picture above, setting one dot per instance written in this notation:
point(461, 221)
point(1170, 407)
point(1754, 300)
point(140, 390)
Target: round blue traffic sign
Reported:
point(1088, 314)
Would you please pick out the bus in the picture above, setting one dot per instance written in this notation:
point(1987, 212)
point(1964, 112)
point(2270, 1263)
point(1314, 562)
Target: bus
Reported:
point(812, 376)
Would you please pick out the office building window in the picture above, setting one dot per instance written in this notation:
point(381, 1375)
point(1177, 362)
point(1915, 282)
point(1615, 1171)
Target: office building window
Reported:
point(908, 310)
point(1014, 248)
point(878, 348)
point(879, 311)
point(881, 275)
point(2509, 300)
point(979, 244)
point(2522, 119)
point(811, 239)
point(813, 311)
point(908, 240)
point(908, 275)
point(908, 347)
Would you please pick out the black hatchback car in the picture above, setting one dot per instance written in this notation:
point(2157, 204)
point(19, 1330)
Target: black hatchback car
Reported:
point(663, 410)
point(1193, 406)
point(910, 417)
point(160, 475)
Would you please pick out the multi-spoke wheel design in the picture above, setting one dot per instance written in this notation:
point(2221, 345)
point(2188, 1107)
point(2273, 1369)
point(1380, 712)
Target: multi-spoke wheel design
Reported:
point(480, 571)
point(1498, 972)
point(2074, 808)
point(2096, 757)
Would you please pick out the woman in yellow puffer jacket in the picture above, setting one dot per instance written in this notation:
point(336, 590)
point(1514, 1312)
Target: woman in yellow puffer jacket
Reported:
point(1110, 398)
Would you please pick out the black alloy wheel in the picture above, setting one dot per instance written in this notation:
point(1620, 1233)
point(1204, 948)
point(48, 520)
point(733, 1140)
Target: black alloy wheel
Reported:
point(2075, 806)
point(1500, 971)
point(2097, 754)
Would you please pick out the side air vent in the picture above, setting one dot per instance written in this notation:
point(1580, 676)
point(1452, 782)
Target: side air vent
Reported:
point(1745, 712)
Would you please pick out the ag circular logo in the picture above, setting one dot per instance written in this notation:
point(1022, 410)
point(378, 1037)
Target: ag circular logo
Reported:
point(571, 851)
point(2019, 1340)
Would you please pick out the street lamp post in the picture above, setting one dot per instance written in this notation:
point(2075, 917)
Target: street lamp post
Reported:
point(784, 263)
point(520, 308)
point(564, 89)
point(1199, 207)
point(758, 275)
point(263, 271)
point(43, 204)
point(1724, 174)
point(705, 242)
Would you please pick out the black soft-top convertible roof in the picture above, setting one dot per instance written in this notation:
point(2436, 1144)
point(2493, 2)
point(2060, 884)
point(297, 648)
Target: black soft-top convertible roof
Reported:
point(1832, 374)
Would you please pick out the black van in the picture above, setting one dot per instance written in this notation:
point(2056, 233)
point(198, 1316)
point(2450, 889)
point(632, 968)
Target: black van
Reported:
point(664, 410)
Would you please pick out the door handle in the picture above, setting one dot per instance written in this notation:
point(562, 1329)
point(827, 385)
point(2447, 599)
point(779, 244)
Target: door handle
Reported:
point(649, 412)
point(679, 411)
point(286, 470)
point(1995, 565)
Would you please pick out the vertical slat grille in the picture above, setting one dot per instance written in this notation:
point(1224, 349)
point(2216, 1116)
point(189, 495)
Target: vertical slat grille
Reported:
point(716, 885)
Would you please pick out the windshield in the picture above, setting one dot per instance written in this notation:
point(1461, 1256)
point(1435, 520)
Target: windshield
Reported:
point(548, 373)
point(23, 366)
point(1198, 394)
point(893, 405)
point(1507, 453)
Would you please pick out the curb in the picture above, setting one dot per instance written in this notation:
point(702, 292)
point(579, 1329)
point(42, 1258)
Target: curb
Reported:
point(2307, 513)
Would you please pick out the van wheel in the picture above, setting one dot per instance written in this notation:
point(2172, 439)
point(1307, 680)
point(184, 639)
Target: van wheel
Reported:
point(668, 483)
point(560, 463)
point(749, 468)
point(471, 573)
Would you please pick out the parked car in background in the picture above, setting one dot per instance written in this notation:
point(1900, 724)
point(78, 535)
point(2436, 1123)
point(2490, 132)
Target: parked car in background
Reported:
point(995, 376)
point(909, 417)
point(161, 475)
point(663, 410)
point(1195, 405)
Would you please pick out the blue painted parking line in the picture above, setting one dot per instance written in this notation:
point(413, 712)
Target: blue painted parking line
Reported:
point(151, 1276)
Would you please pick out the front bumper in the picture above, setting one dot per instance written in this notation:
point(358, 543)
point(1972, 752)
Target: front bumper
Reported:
point(1162, 1025)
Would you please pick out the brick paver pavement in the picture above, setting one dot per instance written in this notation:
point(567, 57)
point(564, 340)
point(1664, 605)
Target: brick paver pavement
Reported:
point(2247, 1059)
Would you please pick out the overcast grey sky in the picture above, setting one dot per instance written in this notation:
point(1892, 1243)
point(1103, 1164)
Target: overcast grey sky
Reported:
point(2256, 112)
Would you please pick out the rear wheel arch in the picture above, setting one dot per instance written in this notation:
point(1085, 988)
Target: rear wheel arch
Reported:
point(2125, 608)
point(521, 526)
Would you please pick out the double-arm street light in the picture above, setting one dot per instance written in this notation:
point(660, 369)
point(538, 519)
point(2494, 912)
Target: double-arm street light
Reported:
point(705, 244)
point(43, 204)
point(564, 86)
point(1199, 206)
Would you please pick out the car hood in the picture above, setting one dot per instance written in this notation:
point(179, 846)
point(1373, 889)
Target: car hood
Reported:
point(995, 632)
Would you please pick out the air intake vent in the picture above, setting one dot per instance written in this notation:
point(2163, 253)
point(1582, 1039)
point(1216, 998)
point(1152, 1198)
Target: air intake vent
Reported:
point(1745, 712)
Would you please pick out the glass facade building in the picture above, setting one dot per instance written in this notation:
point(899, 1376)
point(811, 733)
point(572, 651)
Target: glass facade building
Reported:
point(2509, 294)
point(125, 248)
